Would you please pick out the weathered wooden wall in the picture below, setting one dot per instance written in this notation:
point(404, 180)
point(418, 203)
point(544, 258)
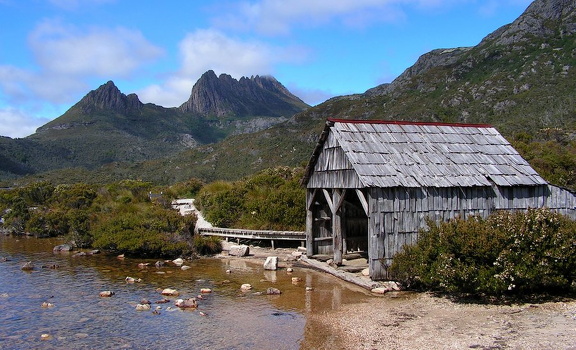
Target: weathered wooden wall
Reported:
point(333, 169)
point(397, 214)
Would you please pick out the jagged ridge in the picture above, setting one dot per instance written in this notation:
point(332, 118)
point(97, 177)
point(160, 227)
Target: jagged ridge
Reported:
point(224, 96)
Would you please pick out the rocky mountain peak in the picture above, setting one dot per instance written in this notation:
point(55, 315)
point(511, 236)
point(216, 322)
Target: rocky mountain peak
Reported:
point(543, 18)
point(109, 97)
point(223, 96)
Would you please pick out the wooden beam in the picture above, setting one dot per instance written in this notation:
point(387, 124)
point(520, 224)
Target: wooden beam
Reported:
point(341, 200)
point(362, 200)
point(329, 200)
point(310, 198)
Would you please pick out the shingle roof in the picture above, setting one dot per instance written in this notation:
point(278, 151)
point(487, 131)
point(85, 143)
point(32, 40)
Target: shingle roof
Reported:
point(389, 154)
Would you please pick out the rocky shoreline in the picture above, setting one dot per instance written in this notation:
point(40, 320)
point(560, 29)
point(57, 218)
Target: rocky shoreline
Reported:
point(407, 320)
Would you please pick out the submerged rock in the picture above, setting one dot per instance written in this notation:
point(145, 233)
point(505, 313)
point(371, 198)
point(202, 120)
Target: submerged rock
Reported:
point(62, 248)
point(143, 307)
point(28, 266)
point(46, 305)
point(189, 303)
point(106, 293)
point(273, 291)
point(132, 279)
point(169, 292)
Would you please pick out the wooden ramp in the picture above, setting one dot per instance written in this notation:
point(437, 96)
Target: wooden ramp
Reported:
point(259, 235)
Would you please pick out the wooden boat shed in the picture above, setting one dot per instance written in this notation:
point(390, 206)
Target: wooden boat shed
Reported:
point(372, 184)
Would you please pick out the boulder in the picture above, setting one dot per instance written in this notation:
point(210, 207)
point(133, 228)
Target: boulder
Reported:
point(159, 263)
point(132, 279)
point(239, 250)
point(62, 248)
point(169, 292)
point(189, 303)
point(271, 263)
point(143, 307)
point(178, 262)
point(205, 290)
point(185, 267)
point(106, 294)
point(246, 286)
point(389, 286)
point(273, 291)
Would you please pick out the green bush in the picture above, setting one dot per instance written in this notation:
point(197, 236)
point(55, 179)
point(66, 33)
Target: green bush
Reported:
point(145, 231)
point(206, 245)
point(507, 253)
point(270, 200)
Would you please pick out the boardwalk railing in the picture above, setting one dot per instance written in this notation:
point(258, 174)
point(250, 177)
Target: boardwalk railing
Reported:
point(254, 234)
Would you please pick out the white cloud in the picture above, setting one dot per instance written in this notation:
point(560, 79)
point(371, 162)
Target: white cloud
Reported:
point(278, 17)
point(16, 124)
point(74, 4)
point(69, 59)
point(205, 50)
point(101, 52)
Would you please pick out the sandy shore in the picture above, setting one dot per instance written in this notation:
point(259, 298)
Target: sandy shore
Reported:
point(422, 321)
point(404, 320)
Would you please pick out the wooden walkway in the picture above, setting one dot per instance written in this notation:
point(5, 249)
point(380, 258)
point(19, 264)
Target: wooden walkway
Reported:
point(272, 236)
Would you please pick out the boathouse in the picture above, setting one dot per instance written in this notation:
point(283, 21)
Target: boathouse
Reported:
point(372, 184)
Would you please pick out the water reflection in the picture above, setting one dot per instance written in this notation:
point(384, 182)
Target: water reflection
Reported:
point(80, 319)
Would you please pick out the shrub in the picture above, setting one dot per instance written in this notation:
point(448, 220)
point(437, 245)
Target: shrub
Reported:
point(206, 245)
point(270, 200)
point(507, 253)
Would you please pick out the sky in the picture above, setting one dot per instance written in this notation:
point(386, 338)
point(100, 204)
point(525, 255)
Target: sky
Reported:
point(53, 52)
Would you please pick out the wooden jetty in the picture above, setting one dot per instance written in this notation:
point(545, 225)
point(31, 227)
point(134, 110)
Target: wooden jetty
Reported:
point(260, 235)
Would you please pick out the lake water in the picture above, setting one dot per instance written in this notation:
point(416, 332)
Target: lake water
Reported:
point(81, 319)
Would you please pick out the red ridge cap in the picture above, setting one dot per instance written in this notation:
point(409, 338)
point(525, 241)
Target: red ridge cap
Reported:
point(400, 122)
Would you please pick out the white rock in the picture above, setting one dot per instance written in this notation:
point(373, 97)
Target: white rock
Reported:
point(380, 290)
point(143, 307)
point(246, 286)
point(178, 261)
point(366, 272)
point(169, 292)
point(271, 263)
point(239, 250)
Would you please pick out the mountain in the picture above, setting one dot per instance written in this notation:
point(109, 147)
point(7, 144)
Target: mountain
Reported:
point(520, 78)
point(224, 96)
point(107, 126)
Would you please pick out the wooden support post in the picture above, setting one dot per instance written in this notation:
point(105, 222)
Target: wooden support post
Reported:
point(309, 223)
point(337, 229)
point(272, 241)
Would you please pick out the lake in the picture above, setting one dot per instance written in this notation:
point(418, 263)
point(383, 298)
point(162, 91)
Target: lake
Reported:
point(227, 318)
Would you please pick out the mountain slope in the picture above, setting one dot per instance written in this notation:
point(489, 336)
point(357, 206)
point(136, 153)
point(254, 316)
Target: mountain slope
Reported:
point(107, 126)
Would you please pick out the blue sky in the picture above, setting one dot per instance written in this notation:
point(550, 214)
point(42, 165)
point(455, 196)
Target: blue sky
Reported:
point(53, 52)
